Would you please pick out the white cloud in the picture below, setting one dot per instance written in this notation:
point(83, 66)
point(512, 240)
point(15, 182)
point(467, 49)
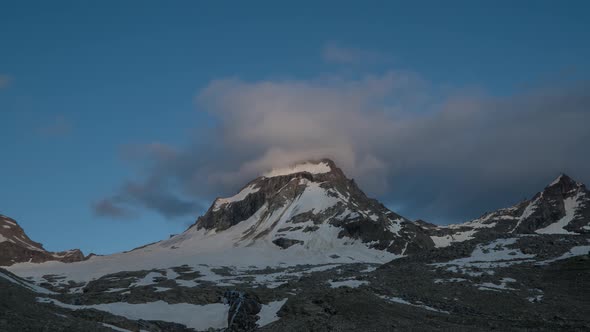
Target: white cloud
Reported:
point(440, 158)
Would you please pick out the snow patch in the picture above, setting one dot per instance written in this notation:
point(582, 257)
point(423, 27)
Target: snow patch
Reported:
point(535, 299)
point(369, 269)
point(447, 240)
point(571, 205)
point(8, 221)
point(116, 328)
point(440, 281)
point(236, 198)
point(198, 317)
point(493, 254)
point(402, 301)
point(312, 168)
point(502, 286)
point(147, 280)
point(352, 283)
point(268, 314)
point(574, 251)
point(528, 211)
point(25, 284)
point(186, 283)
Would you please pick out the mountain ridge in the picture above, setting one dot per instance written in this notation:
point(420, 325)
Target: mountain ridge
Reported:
point(308, 198)
point(311, 246)
point(562, 207)
point(17, 247)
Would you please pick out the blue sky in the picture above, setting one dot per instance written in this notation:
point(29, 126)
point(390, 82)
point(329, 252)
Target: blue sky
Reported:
point(82, 82)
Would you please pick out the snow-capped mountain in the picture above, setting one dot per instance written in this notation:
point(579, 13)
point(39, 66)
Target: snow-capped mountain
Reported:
point(306, 214)
point(16, 247)
point(310, 245)
point(563, 207)
point(311, 205)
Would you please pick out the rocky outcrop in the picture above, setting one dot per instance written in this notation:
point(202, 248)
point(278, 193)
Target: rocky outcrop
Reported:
point(562, 208)
point(16, 247)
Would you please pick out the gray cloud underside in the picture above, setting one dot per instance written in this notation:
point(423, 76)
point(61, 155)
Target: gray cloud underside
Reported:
point(444, 158)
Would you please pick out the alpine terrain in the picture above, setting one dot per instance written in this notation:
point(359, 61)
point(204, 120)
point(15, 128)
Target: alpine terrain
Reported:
point(311, 252)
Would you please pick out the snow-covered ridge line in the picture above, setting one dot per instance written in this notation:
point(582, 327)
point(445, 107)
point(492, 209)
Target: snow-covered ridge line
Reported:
point(313, 168)
point(7, 220)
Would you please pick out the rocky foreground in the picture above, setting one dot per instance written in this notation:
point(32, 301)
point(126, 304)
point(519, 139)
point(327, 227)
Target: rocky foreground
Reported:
point(477, 292)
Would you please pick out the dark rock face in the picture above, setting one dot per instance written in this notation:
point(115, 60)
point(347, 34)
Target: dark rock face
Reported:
point(16, 247)
point(243, 311)
point(553, 203)
point(286, 243)
point(357, 216)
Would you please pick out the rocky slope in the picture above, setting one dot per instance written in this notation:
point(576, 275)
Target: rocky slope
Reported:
point(16, 247)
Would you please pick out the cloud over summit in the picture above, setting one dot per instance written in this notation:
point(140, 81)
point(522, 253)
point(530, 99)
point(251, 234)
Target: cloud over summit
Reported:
point(438, 157)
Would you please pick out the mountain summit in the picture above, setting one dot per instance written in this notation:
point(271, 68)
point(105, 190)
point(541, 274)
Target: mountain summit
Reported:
point(311, 206)
point(306, 214)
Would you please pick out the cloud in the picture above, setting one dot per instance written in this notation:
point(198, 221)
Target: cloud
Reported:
point(441, 157)
point(5, 81)
point(151, 195)
point(109, 208)
point(334, 53)
point(58, 126)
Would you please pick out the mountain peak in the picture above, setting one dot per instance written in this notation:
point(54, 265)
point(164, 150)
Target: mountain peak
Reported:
point(564, 182)
point(313, 206)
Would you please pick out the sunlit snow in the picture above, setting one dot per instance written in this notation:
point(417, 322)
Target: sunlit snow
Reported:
point(312, 168)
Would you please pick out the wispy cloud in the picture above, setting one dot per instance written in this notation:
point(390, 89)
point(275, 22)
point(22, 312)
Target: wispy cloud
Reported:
point(335, 53)
point(5, 81)
point(110, 208)
point(157, 192)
